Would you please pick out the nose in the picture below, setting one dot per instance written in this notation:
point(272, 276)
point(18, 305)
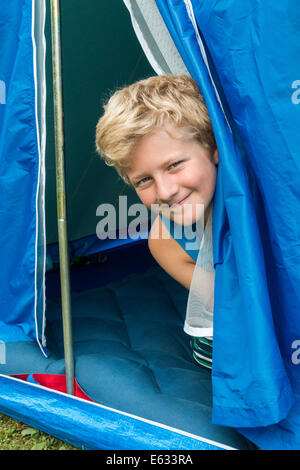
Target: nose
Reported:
point(166, 189)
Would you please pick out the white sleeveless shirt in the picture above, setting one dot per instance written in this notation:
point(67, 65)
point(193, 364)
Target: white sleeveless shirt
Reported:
point(200, 306)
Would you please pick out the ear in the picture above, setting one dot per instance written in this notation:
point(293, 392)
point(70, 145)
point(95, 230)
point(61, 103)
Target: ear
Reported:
point(216, 156)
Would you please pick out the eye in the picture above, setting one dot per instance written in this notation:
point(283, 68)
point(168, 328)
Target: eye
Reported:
point(175, 164)
point(143, 181)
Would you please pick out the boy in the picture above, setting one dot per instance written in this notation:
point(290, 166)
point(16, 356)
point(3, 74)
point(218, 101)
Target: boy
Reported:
point(158, 136)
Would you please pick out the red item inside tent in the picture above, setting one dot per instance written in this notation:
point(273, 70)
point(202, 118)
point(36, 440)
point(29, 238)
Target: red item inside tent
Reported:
point(53, 382)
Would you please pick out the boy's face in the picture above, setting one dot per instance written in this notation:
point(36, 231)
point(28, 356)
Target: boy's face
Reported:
point(178, 173)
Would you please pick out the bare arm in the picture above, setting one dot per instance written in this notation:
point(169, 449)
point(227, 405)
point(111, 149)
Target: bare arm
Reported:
point(170, 255)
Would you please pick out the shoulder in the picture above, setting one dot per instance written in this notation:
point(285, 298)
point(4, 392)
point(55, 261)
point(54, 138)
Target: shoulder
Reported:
point(163, 246)
point(170, 255)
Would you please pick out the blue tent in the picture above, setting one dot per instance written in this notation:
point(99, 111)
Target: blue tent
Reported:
point(127, 314)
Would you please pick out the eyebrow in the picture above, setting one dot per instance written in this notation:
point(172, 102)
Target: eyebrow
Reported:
point(137, 178)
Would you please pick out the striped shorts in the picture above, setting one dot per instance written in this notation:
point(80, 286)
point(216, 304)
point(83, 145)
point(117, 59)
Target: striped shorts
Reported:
point(202, 351)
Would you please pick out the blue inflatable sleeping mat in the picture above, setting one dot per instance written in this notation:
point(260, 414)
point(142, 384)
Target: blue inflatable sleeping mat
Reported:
point(132, 359)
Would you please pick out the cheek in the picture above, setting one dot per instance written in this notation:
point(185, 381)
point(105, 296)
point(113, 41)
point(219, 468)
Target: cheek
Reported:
point(146, 197)
point(203, 180)
point(211, 181)
point(195, 179)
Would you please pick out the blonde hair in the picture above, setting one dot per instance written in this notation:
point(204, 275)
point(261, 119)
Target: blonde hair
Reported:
point(165, 101)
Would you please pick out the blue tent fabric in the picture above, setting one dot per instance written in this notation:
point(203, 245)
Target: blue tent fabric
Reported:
point(19, 165)
point(96, 426)
point(256, 251)
point(249, 87)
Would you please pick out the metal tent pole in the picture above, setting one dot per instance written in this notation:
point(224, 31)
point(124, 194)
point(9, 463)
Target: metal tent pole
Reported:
point(61, 195)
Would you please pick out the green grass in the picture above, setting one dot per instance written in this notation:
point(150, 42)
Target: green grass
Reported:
point(15, 435)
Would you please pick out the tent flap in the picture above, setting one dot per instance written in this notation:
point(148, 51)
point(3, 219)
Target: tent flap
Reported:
point(21, 277)
point(228, 47)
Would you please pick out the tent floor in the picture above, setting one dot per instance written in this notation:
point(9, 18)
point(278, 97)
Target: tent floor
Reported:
point(131, 352)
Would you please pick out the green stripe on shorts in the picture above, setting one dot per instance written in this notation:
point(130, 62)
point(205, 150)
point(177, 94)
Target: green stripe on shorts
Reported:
point(202, 351)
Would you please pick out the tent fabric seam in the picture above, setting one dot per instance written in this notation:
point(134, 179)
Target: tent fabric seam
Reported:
point(33, 6)
point(144, 44)
point(190, 12)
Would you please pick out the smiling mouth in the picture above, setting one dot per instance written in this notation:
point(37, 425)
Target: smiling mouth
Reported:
point(180, 203)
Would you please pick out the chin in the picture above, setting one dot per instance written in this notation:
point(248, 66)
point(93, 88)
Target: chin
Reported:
point(190, 214)
point(185, 220)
